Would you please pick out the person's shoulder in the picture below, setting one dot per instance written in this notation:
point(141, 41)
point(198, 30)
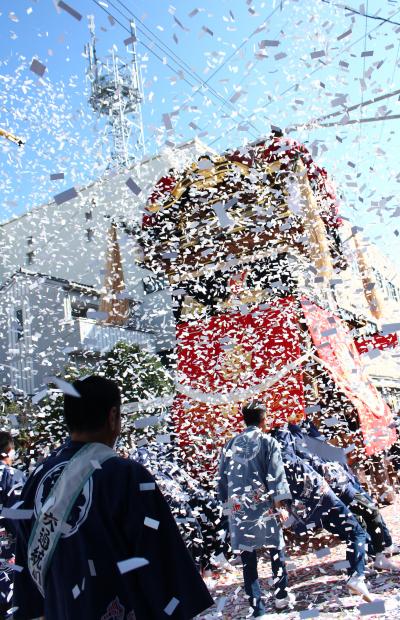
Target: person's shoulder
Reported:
point(270, 441)
point(126, 467)
point(230, 442)
point(17, 474)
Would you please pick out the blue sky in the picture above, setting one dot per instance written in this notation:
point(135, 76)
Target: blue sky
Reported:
point(315, 67)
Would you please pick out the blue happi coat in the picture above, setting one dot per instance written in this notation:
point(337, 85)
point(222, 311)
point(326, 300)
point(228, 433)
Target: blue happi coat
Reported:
point(251, 479)
point(120, 514)
point(339, 477)
point(11, 483)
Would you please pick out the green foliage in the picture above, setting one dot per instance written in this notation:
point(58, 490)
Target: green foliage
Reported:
point(140, 375)
point(11, 410)
point(47, 423)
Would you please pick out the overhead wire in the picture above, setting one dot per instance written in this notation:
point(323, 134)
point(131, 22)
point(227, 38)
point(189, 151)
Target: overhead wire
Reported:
point(362, 90)
point(355, 121)
point(256, 31)
point(191, 73)
point(259, 29)
point(182, 63)
point(290, 88)
point(203, 83)
point(346, 110)
point(391, 82)
point(244, 42)
point(352, 10)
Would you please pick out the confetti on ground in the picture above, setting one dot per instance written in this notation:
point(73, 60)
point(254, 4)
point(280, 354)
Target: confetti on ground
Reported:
point(325, 591)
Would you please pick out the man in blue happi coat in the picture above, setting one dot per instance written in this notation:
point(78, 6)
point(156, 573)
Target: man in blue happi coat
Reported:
point(314, 504)
point(197, 512)
point(346, 486)
point(253, 486)
point(101, 543)
point(11, 483)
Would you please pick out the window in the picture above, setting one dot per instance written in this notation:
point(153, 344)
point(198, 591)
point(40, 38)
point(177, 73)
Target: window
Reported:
point(19, 323)
point(89, 234)
point(78, 310)
point(29, 257)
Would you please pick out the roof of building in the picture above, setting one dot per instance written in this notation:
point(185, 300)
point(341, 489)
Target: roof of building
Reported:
point(69, 284)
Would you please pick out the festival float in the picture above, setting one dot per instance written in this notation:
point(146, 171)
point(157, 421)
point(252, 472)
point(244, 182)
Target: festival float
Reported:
point(250, 243)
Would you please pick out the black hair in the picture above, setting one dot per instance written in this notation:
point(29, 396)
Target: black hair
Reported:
point(90, 411)
point(6, 443)
point(253, 413)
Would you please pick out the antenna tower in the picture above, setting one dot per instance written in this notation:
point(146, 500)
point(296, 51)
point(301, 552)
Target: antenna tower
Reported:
point(117, 94)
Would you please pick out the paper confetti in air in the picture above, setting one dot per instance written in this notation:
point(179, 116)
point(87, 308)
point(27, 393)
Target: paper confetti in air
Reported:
point(172, 605)
point(133, 186)
point(148, 421)
point(39, 396)
point(322, 553)
point(16, 513)
point(37, 67)
point(153, 523)
point(69, 194)
point(69, 9)
point(267, 43)
point(64, 386)
point(309, 613)
point(130, 40)
point(147, 486)
point(92, 568)
point(131, 564)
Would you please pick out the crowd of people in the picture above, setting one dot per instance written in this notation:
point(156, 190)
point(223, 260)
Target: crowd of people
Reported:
point(94, 534)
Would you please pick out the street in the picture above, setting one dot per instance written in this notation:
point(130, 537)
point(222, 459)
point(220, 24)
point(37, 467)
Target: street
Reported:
point(319, 588)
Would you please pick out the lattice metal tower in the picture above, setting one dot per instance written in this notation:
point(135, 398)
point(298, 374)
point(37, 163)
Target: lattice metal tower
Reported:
point(116, 93)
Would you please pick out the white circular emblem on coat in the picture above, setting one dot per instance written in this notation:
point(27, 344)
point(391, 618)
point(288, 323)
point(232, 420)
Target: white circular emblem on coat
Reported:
point(82, 504)
point(246, 446)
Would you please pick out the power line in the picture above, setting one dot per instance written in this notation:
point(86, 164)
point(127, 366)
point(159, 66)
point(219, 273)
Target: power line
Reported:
point(290, 88)
point(180, 62)
point(345, 49)
point(256, 31)
point(311, 124)
point(391, 81)
point(371, 119)
point(192, 74)
point(351, 10)
point(103, 8)
point(362, 82)
point(246, 40)
point(260, 28)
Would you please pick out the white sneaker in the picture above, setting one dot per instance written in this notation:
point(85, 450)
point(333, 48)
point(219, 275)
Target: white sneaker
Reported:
point(288, 601)
point(357, 585)
point(384, 563)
